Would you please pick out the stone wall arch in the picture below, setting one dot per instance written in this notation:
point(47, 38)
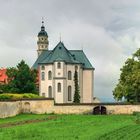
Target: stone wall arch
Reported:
point(26, 107)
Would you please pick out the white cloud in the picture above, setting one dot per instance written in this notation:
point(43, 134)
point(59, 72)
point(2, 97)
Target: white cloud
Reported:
point(105, 53)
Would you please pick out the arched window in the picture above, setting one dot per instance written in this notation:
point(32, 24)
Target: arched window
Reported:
point(43, 76)
point(59, 65)
point(43, 94)
point(49, 75)
point(59, 87)
point(69, 93)
point(42, 67)
point(69, 75)
point(50, 91)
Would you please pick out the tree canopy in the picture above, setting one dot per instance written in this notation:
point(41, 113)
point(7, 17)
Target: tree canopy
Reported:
point(21, 79)
point(129, 82)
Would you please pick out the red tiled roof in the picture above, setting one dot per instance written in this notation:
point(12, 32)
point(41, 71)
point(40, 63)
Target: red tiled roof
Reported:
point(3, 76)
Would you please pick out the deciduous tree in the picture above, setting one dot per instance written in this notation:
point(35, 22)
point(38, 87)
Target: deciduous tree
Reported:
point(129, 82)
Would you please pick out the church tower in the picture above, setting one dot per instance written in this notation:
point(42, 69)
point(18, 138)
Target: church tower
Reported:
point(42, 40)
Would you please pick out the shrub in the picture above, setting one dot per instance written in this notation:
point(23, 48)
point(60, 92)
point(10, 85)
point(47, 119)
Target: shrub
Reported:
point(136, 113)
point(1, 91)
point(137, 117)
point(15, 96)
point(4, 97)
point(30, 95)
point(137, 120)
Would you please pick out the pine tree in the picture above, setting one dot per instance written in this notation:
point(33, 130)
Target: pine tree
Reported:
point(77, 92)
point(22, 79)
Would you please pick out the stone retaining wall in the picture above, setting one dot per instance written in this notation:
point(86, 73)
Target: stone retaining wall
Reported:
point(122, 109)
point(8, 109)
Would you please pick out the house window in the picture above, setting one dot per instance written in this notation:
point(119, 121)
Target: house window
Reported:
point(69, 75)
point(59, 65)
point(50, 91)
point(43, 94)
point(42, 67)
point(43, 76)
point(49, 75)
point(59, 87)
point(69, 93)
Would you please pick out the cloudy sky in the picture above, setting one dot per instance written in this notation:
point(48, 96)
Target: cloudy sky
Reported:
point(107, 30)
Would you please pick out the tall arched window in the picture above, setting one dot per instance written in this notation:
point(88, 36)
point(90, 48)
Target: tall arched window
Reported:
point(50, 91)
point(59, 65)
point(69, 75)
point(43, 76)
point(59, 87)
point(69, 93)
point(49, 75)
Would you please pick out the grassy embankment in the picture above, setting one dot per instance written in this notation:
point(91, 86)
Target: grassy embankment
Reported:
point(70, 127)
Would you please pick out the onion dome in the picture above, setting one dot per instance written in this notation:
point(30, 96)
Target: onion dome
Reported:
point(42, 32)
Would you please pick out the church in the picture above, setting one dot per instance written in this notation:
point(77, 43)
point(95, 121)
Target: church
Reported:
point(56, 71)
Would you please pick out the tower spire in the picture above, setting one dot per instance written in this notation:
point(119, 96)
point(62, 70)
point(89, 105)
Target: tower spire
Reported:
point(42, 27)
point(60, 37)
point(42, 39)
point(42, 21)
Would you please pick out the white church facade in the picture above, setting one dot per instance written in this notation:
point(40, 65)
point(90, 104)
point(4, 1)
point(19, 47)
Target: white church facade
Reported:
point(56, 71)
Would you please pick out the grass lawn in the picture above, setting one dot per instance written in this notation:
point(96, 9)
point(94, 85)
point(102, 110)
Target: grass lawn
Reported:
point(70, 127)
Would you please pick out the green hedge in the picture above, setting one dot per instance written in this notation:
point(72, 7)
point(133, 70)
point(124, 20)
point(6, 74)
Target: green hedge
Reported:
point(137, 117)
point(135, 113)
point(16, 96)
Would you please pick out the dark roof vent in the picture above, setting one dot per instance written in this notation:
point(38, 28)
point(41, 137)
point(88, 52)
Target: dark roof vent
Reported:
point(60, 48)
point(73, 56)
